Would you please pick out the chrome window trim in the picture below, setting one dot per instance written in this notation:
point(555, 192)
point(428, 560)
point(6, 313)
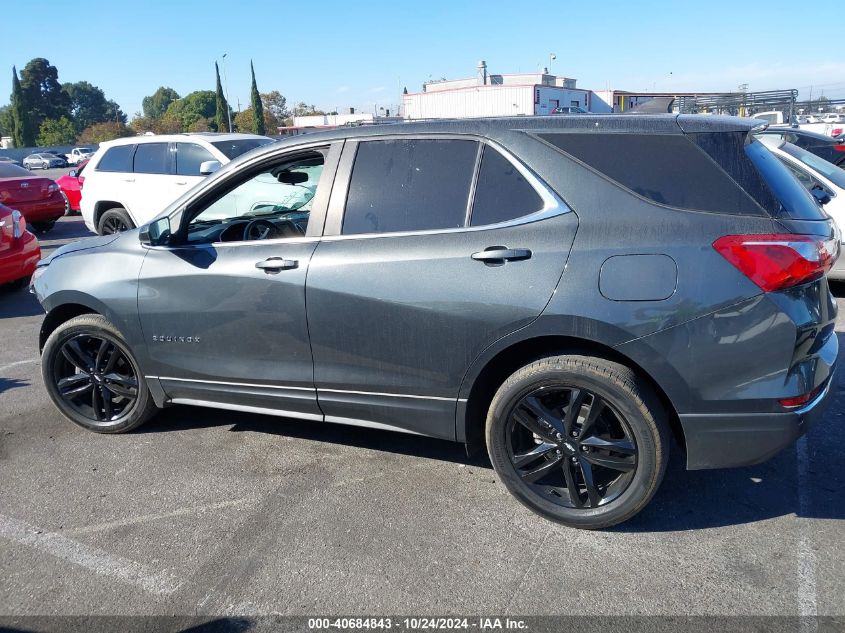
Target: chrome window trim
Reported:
point(553, 205)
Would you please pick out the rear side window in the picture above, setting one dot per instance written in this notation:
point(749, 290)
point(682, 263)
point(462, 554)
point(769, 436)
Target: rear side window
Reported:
point(502, 193)
point(189, 157)
point(152, 158)
point(118, 158)
point(409, 185)
point(668, 169)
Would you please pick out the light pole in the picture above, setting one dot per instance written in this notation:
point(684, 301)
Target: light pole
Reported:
point(226, 88)
point(552, 57)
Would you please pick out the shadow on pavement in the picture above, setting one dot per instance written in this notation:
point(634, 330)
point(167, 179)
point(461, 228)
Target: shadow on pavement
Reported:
point(17, 302)
point(7, 384)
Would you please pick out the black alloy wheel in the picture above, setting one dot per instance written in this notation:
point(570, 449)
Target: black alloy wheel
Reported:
point(571, 447)
point(95, 378)
point(114, 224)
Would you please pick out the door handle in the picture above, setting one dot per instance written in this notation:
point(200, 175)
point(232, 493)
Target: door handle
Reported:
point(128, 180)
point(497, 255)
point(275, 264)
point(182, 182)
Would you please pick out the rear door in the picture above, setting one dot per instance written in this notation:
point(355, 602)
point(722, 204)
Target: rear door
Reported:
point(434, 249)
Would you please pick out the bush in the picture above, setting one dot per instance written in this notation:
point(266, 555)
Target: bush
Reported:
point(56, 132)
point(100, 132)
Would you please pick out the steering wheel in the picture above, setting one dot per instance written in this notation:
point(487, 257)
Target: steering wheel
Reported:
point(259, 229)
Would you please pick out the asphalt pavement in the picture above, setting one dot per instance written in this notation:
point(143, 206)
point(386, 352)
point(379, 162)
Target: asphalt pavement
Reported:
point(204, 512)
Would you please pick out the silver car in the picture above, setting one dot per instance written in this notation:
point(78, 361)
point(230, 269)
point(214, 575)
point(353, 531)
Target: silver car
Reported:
point(43, 161)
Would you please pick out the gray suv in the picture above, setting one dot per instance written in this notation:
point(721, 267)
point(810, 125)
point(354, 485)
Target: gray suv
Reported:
point(566, 292)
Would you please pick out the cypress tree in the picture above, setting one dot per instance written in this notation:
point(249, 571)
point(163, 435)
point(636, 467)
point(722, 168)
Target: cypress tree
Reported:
point(222, 115)
point(22, 132)
point(257, 106)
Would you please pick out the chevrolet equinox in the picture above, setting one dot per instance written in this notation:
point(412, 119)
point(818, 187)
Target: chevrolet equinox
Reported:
point(567, 292)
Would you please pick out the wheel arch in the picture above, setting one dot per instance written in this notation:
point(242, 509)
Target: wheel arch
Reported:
point(102, 206)
point(65, 306)
point(472, 408)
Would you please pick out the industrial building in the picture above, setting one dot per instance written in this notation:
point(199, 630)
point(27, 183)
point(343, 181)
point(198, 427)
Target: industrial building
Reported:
point(497, 95)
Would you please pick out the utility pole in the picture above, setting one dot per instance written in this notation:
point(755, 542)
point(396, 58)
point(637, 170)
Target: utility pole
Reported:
point(552, 57)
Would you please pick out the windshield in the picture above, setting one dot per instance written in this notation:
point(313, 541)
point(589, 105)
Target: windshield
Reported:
point(234, 148)
point(830, 171)
point(86, 150)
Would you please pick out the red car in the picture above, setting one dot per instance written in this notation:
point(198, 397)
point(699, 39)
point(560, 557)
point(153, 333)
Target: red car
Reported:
point(71, 187)
point(38, 198)
point(19, 250)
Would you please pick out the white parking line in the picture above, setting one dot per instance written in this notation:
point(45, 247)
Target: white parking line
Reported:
point(807, 604)
point(20, 362)
point(91, 558)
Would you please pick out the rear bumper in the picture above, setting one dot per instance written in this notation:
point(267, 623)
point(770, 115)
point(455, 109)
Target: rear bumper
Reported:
point(44, 210)
point(20, 261)
point(728, 441)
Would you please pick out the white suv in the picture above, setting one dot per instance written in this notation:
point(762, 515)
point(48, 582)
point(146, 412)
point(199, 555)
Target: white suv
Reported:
point(129, 181)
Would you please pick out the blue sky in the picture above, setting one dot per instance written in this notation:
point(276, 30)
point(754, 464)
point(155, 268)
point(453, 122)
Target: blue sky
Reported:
point(361, 54)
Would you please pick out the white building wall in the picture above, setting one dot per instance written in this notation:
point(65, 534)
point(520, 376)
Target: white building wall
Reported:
point(320, 120)
point(470, 102)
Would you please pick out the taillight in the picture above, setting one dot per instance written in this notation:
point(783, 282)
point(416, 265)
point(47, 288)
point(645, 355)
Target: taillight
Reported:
point(778, 261)
point(797, 401)
point(839, 148)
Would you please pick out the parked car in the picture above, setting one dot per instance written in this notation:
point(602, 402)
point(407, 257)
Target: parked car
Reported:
point(10, 160)
point(130, 180)
point(568, 110)
point(19, 250)
point(833, 117)
point(38, 198)
point(826, 147)
point(825, 181)
point(70, 186)
point(43, 160)
point(79, 154)
point(518, 284)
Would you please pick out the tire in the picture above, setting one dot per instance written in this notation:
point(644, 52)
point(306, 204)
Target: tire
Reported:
point(43, 227)
point(622, 449)
point(114, 220)
point(110, 394)
point(68, 210)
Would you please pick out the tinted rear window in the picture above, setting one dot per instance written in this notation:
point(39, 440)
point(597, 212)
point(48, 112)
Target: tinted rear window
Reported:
point(8, 170)
point(233, 149)
point(152, 158)
point(118, 158)
point(668, 169)
point(793, 200)
point(502, 193)
point(409, 185)
point(830, 171)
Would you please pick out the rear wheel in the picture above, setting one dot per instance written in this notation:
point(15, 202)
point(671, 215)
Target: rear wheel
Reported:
point(68, 210)
point(579, 440)
point(93, 378)
point(115, 220)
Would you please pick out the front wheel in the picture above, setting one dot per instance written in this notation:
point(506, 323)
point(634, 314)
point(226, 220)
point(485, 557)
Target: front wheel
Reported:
point(93, 378)
point(115, 220)
point(579, 440)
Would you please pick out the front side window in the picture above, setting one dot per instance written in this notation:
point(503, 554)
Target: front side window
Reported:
point(409, 185)
point(152, 158)
point(272, 204)
point(502, 192)
point(189, 157)
point(118, 158)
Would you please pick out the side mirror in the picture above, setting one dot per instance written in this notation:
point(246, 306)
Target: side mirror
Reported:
point(821, 196)
point(209, 167)
point(156, 233)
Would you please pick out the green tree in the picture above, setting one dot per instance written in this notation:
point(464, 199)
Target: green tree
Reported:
point(88, 105)
point(43, 93)
point(256, 105)
point(221, 116)
point(23, 133)
point(243, 122)
point(157, 103)
point(101, 132)
point(6, 125)
point(56, 132)
point(201, 104)
point(275, 109)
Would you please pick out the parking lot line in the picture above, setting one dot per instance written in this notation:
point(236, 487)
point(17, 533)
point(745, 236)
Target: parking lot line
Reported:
point(101, 527)
point(91, 558)
point(20, 362)
point(806, 556)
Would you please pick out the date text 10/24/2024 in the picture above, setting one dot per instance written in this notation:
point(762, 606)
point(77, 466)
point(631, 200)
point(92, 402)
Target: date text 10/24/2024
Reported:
point(418, 623)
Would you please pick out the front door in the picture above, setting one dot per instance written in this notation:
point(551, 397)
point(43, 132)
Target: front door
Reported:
point(423, 274)
point(223, 312)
